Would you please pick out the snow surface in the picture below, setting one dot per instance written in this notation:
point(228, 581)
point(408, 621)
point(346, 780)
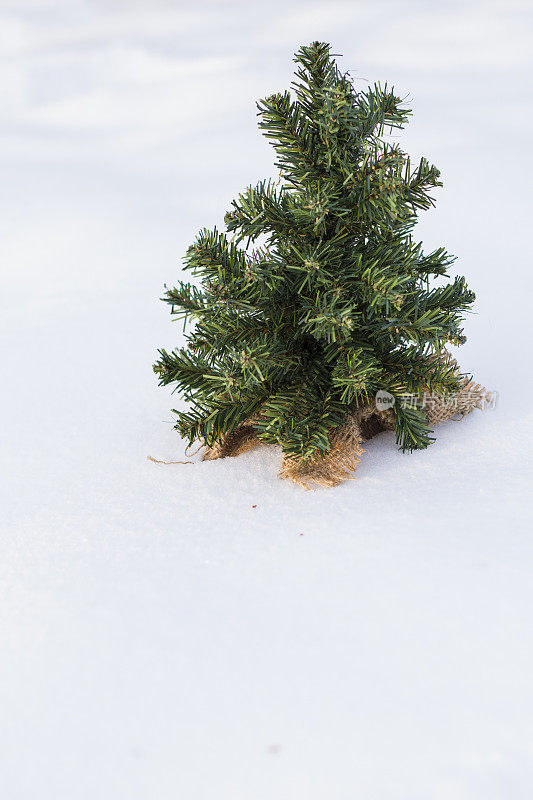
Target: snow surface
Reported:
point(209, 631)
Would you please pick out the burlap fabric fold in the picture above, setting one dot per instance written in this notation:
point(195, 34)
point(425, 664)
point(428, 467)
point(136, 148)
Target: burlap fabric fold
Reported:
point(360, 424)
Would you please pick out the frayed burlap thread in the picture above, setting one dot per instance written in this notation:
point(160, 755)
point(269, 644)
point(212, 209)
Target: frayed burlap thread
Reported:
point(361, 424)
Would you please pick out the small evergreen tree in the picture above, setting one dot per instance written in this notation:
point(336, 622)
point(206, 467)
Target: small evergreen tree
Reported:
point(336, 300)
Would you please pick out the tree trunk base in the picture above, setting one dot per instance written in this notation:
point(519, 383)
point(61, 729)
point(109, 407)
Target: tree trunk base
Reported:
point(361, 424)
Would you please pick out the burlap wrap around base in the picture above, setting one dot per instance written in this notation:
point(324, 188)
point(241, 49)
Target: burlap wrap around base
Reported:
point(361, 424)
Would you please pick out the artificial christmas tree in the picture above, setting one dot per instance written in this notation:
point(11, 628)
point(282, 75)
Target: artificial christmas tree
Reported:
point(295, 337)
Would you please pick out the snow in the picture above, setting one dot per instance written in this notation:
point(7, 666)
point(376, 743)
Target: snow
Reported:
point(208, 630)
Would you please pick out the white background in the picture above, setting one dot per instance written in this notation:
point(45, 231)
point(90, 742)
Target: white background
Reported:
point(210, 631)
